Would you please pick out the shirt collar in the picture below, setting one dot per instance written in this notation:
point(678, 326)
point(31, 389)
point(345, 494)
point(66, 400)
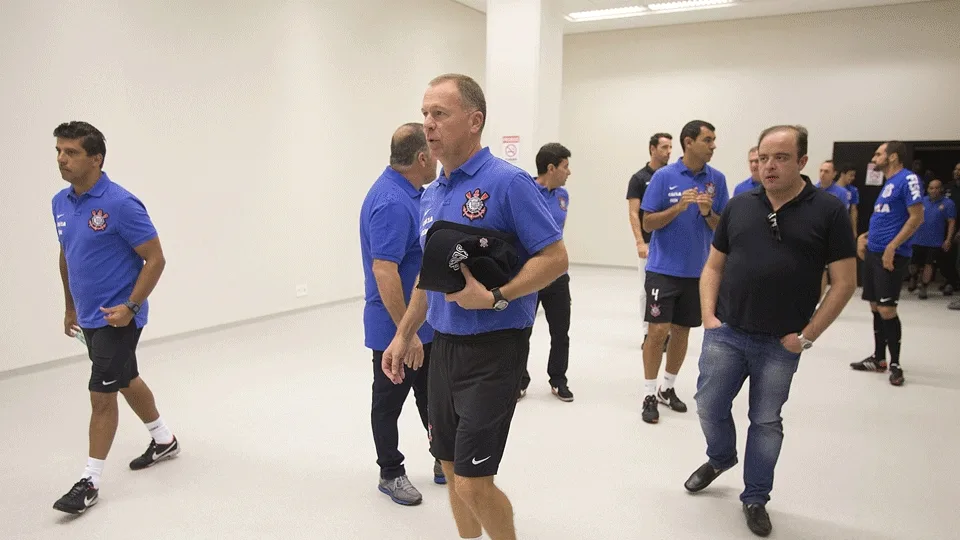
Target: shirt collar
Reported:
point(97, 190)
point(682, 167)
point(470, 167)
point(807, 192)
point(402, 181)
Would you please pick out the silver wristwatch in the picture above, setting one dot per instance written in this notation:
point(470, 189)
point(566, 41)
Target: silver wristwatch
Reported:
point(806, 343)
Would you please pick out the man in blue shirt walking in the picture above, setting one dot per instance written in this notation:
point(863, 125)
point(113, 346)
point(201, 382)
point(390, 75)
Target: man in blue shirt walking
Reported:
point(482, 336)
point(682, 207)
point(932, 242)
point(885, 249)
point(553, 169)
point(110, 261)
point(754, 181)
point(391, 254)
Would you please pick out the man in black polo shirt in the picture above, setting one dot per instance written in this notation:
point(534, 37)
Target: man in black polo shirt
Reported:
point(758, 295)
point(660, 147)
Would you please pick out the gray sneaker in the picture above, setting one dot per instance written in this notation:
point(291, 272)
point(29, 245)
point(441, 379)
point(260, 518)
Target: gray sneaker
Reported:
point(401, 491)
point(954, 305)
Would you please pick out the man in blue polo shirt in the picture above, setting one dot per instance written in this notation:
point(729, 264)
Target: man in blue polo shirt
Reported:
point(754, 181)
point(682, 206)
point(885, 249)
point(828, 175)
point(110, 261)
point(933, 239)
point(482, 337)
point(390, 250)
point(553, 169)
point(846, 175)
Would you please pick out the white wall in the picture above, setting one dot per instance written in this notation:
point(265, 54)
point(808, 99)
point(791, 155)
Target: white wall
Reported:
point(866, 74)
point(251, 130)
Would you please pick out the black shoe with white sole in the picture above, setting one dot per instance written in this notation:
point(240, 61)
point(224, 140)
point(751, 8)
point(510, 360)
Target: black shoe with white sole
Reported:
point(156, 453)
point(562, 392)
point(80, 497)
point(670, 399)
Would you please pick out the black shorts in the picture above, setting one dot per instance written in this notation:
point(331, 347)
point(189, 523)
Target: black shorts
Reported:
point(113, 352)
point(472, 394)
point(879, 284)
point(672, 300)
point(924, 255)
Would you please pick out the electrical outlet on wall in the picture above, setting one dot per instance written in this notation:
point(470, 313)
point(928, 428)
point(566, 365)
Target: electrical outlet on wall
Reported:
point(301, 290)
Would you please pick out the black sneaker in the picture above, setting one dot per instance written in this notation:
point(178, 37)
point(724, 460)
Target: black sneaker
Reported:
point(80, 497)
point(923, 292)
point(650, 414)
point(870, 364)
point(948, 290)
point(896, 375)
point(670, 399)
point(563, 393)
point(438, 476)
point(757, 519)
point(155, 453)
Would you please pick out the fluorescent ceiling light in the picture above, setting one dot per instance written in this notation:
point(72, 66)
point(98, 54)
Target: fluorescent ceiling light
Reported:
point(689, 5)
point(604, 14)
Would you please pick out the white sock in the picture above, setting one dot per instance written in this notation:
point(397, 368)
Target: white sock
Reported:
point(477, 538)
point(159, 431)
point(668, 380)
point(650, 385)
point(93, 471)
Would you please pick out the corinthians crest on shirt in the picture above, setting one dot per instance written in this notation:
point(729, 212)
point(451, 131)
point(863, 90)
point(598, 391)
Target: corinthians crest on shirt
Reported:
point(476, 206)
point(98, 220)
point(563, 203)
point(711, 189)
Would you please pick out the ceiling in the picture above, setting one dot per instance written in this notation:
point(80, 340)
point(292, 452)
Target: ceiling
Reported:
point(744, 9)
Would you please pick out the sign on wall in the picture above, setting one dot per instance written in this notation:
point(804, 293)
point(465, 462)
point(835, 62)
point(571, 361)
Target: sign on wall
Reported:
point(511, 147)
point(874, 176)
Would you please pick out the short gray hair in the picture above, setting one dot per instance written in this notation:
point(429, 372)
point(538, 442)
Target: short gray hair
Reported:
point(471, 95)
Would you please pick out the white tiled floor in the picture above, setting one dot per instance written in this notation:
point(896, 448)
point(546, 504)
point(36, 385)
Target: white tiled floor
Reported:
point(274, 422)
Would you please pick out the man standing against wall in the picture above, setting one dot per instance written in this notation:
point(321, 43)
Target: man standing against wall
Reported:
point(553, 169)
point(110, 261)
point(660, 147)
point(390, 250)
point(933, 240)
point(759, 293)
point(482, 337)
point(754, 180)
point(681, 207)
point(886, 249)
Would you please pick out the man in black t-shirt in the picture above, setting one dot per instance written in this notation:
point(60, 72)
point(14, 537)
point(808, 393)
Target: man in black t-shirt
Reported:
point(758, 297)
point(660, 147)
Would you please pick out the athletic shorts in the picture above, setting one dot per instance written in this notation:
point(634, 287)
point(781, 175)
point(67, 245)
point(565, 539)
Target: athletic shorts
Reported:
point(672, 300)
point(879, 284)
point(924, 255)
point(472, 393)
point(113, 353)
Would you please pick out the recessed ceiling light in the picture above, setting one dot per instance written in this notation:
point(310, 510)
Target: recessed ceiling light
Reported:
point(604, 14)
point(689, 5)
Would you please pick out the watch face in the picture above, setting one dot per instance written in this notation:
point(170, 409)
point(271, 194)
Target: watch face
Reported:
point(500, 305)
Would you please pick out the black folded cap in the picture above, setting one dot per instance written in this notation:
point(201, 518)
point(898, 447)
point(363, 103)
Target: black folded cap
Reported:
point(489, 254)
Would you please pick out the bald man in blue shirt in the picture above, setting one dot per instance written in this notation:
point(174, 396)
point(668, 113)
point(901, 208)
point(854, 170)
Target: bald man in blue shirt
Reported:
point(482, 337)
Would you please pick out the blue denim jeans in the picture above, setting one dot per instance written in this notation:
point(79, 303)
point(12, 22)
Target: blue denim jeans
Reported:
point(728, 358)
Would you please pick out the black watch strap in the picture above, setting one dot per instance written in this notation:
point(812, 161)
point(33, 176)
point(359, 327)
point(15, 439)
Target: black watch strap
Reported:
point(497, 295)
point(132, 306)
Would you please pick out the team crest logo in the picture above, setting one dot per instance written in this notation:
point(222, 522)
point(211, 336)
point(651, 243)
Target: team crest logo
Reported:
point(98, 220)
point(563, 204)
point(654, 310)
point(475, 207)
point(942, 206)
point(711, 189)
point(458, 256)
point(484, 242)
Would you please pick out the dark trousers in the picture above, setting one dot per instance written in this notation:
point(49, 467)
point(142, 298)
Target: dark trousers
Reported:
point(388, 399)
point(555, 299)
point(948, 266)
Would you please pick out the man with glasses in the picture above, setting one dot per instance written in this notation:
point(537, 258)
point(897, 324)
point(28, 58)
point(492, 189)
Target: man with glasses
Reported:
point(758, 294)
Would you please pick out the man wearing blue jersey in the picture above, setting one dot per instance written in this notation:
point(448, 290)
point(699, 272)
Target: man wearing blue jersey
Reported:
point(682, 206)
point(391, 255)
point(482, 337)
point(828, 176)
point(846, 175)
point(110, 261)
point(553, 169)
point(754, 181)
point(933, 240)
point(885, 249)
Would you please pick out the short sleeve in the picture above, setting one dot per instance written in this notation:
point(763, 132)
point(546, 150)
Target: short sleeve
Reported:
point(721, 237)
point(53, 214)
point(840, 241)
point(721, 195)
point(635, 187)
point(854, 196)
point(653, 199)
point(910, 191)
point(389, 230)
point(528, 213)
point(135, 226)
point(951, 209)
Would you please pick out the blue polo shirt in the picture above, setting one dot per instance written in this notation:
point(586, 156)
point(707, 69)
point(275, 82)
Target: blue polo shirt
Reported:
point(933, 231)
point(488, 192)
point(854, 195)
point(839, 192)
point(389, 231)
point(745, 186)
point(98, 232)
point(557, 200)
point(680, 249)
point(890, 212)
